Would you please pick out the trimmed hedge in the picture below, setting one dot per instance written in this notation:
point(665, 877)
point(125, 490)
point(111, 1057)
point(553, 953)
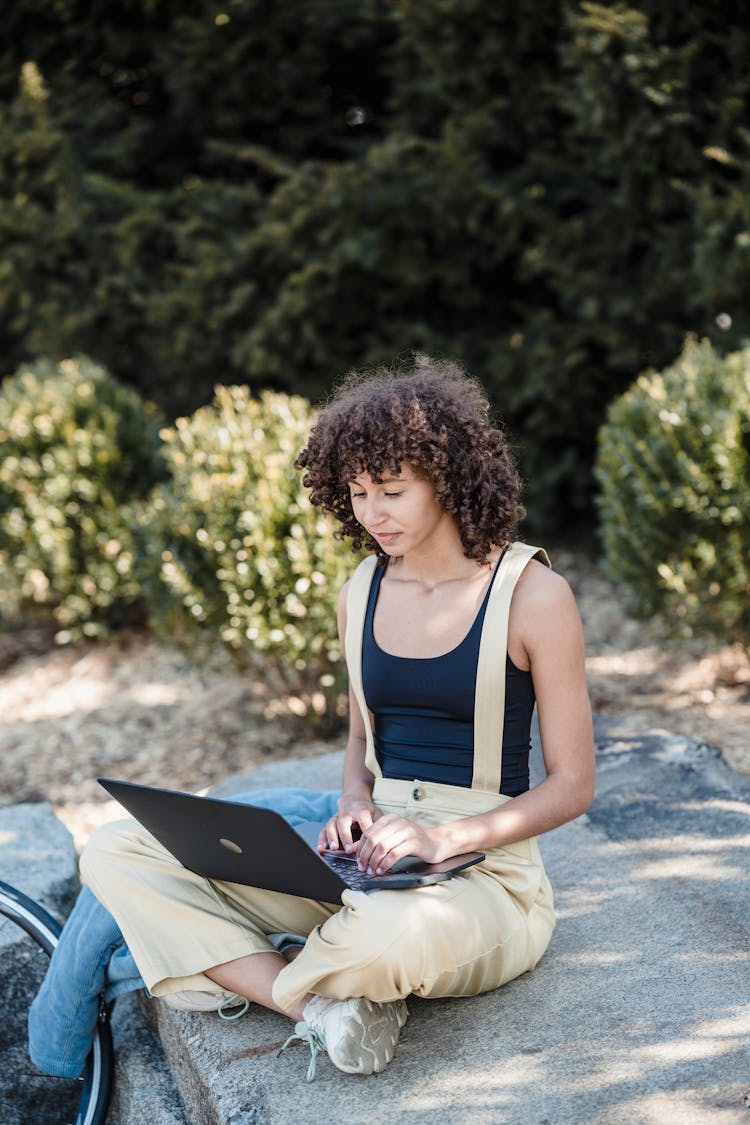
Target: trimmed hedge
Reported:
point(238, 553)
point(78, 453)
point(674, 471)
point(203, 528)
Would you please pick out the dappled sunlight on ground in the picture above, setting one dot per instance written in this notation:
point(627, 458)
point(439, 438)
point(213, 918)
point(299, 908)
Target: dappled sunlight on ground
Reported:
point(683, 1108)
point(685, 857)
point(581, 1067)
point(701, 867)
point(601, 957)
point(133, 709)
point(62, 685)
point(152, 695)
point(83, 818)
point(136, 709)
point(635, 672)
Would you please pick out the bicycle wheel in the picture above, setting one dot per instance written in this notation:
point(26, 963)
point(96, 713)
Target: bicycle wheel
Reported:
point(84, 1101)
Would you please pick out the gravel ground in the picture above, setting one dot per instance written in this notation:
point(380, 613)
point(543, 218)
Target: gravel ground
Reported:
point(135, 708)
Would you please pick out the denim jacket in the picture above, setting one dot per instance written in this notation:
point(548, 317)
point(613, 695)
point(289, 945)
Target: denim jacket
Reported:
point(91, 959)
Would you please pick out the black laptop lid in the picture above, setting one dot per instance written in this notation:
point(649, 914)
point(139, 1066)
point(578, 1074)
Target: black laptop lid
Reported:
point(230, 841)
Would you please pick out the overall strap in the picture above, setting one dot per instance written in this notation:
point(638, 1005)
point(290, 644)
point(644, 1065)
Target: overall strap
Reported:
point(489, 696)
point(356, 609)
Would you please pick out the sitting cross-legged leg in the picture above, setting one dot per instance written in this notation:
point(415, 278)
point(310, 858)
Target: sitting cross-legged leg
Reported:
point(203, 944)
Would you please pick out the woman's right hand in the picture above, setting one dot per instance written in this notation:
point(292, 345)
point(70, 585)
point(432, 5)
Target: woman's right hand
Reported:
point(354, 817)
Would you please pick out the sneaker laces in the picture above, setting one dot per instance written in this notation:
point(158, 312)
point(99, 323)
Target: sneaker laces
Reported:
point(314, 1040)
point(231, 1002)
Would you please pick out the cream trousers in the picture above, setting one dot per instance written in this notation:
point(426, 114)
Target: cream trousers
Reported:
point(458, 938)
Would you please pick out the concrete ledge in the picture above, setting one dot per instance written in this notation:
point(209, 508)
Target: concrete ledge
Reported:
point(321, 774)
point(37, 856)
point(639, 1012)
point(144, 1089)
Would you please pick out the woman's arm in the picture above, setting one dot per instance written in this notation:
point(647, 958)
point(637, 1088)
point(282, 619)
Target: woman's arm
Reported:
point(355, 802)
point(545, 632)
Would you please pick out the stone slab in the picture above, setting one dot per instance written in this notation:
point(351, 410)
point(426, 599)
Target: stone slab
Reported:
point(638, 1013)
point(37, 856)
point(144, 1090)
point(321, 774)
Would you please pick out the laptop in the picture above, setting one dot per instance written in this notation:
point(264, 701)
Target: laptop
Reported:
point(240, 843)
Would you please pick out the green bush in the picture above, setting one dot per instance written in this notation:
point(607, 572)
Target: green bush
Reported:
point(554, 216)
point(674, 471)
point(240, 554)
point(78, 452)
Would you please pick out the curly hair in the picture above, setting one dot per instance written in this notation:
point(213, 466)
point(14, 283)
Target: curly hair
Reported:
point(436, 418)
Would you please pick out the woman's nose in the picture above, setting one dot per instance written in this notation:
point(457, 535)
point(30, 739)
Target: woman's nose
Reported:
point(373, 512)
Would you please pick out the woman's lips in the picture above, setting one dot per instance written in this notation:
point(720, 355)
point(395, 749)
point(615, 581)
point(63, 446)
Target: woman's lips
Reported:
point(386, 539)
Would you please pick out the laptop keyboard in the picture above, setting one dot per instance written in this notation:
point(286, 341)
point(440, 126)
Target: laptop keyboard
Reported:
point(347, 870)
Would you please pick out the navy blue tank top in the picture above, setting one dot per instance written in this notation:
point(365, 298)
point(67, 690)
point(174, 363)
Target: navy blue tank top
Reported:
point(423, 709)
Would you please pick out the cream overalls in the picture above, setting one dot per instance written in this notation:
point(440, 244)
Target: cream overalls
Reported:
point(468, 935)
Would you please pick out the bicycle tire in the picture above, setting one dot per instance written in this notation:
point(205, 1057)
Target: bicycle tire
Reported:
point(97, 1076)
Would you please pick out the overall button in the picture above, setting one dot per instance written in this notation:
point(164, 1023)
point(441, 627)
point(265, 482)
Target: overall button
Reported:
point(416, 794)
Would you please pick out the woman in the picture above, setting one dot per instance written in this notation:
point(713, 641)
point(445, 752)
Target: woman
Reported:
point(451, 634)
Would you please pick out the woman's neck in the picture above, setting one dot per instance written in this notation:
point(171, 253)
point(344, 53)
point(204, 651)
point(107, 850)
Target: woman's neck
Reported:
point(438, 567)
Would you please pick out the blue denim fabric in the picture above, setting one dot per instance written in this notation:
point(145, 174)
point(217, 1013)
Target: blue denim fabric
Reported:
point(92, 960)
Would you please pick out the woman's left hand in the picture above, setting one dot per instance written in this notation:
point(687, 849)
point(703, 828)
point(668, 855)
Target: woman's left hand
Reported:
point(391, 837)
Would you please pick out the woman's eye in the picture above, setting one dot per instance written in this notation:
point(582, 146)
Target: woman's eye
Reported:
point(357, 495)
point(393, 493)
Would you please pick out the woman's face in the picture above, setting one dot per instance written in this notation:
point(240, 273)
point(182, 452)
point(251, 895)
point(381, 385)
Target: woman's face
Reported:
point(400, 512)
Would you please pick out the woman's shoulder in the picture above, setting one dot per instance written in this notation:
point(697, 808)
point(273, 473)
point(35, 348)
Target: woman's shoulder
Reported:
point(544, 613)
point(542, 595)
point(544, 617)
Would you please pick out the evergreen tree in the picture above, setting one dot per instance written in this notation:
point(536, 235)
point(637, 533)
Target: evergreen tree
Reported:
point(552, 193)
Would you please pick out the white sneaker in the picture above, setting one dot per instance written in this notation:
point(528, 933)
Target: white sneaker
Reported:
point(195, 1000)
point(358, 1035)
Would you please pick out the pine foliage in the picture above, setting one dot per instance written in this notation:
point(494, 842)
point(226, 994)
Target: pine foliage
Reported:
point(268, 194)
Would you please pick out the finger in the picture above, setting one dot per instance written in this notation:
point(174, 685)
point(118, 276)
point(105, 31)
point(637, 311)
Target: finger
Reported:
point(329, 836)
point(345, 832)
point(364, 850)
point(361, 823)
point(368, 841)
point(413, 842)
point(384, 857)
point(379, 826)
point(405, 840)
point(388, 860)
point(382, 841)
point(366, 818)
